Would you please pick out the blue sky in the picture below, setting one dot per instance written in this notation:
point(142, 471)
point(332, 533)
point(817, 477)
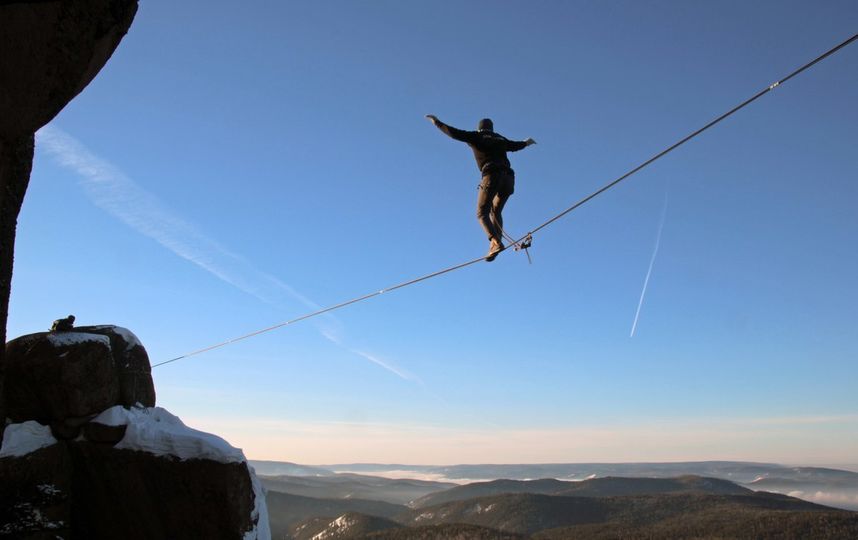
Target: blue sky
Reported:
point(232, 169)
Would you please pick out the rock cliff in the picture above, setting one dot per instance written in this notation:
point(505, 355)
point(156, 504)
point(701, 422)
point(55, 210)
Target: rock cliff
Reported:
point(87, 454)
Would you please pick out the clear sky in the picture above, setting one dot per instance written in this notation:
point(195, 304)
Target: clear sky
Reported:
point(233, 167)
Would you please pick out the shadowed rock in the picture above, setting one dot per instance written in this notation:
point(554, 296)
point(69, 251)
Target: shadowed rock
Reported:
point(86, 490)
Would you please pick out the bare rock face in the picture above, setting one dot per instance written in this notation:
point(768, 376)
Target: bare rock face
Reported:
point(63, 378)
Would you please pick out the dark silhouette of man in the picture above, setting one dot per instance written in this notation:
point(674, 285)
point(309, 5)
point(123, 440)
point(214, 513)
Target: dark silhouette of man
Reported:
point(498, 178)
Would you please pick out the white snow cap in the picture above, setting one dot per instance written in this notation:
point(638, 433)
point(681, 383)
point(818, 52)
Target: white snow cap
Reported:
point(154, 430)
point(72, 338)
point(126, 334)
point(21, 439)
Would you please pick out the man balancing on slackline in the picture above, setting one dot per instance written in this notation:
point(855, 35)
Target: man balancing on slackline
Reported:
point(498, 181)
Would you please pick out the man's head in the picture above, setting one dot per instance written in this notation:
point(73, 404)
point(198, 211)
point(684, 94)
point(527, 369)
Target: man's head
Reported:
point(486, 125)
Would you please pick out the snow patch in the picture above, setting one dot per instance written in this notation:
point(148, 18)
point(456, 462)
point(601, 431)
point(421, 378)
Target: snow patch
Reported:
point(61, 339)
point(126, 334)
point(336, 527)
point(156, 431)
point(488, 508)
point(22, 439)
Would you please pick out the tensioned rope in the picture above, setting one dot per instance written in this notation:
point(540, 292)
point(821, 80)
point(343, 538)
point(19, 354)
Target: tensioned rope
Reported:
point(593, 195)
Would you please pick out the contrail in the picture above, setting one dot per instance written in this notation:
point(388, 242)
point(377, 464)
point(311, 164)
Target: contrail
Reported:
point(651, 263)
point(109, 188)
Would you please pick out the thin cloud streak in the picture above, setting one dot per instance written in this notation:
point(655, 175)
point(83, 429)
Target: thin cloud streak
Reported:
point(334, 337)
point(376, 360)
point(649, 270)
point(114, 192)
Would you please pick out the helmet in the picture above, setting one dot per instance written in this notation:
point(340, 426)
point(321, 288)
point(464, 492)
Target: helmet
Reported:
point(486, 125)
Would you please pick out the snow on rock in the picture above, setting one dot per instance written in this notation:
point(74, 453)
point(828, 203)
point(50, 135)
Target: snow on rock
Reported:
point(262, 529)
point(127, 335)
point(154, 430)
point(24, 438)
point(61, 339)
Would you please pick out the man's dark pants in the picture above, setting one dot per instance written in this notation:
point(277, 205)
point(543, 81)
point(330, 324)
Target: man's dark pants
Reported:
point(495, 188)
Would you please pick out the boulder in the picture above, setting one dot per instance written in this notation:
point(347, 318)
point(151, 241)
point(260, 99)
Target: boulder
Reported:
point(54, 376)
point(65, 378)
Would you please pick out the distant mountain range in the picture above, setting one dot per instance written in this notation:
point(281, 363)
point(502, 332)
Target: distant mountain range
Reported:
point(596, 487)
point(827, 486)
point(686, 506)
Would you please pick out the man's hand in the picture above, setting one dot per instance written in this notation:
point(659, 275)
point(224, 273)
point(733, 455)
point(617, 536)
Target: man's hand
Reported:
point(528, 142)
point(432, 118)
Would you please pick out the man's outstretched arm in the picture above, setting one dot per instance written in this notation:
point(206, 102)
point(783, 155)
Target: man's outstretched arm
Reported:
point(458, 134)
point(515, 146)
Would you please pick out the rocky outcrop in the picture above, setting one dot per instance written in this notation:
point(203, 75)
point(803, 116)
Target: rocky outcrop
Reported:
point(66, 377)
point(49, 52)
point(86, 453)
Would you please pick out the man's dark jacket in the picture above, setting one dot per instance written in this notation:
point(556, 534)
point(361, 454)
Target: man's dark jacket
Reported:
point(489, 148)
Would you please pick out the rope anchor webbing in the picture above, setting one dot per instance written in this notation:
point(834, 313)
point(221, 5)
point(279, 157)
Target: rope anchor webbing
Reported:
point(529, 236)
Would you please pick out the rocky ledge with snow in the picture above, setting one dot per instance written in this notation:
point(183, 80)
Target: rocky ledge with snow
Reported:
point(86, 454)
